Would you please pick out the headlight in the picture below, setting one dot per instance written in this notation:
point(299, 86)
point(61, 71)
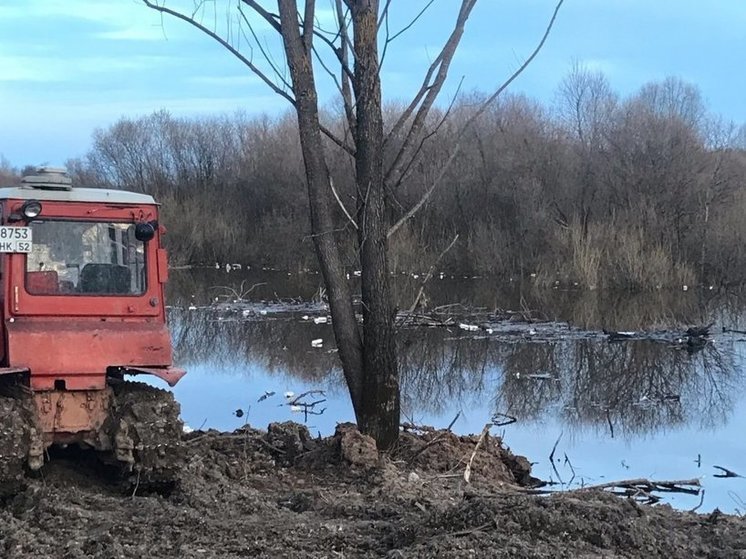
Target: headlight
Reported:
point(31, 209)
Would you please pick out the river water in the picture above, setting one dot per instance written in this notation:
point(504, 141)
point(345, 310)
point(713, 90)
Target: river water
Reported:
point(649, 407)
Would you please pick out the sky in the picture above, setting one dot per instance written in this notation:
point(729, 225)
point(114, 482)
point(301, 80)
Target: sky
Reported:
point(68, 67)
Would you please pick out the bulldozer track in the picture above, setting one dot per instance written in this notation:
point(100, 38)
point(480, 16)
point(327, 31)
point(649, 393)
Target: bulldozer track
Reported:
point(16, 432)
point(147, 433)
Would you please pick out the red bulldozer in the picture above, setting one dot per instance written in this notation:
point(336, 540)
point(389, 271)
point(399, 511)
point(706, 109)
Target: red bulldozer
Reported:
point(82, 274)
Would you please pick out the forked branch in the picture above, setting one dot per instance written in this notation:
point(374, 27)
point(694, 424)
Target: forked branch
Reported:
point(480, 110)
point(426, 96)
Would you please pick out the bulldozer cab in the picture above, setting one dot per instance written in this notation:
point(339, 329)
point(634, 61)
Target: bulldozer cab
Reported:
point(82, 274)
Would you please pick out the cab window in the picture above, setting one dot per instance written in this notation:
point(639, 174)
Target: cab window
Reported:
point(85, 258)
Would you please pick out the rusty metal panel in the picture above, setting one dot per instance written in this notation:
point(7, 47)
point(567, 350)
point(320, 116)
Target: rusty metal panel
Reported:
point(72, 412)
point(171, 375)
point(162, 265)
point(71, 348)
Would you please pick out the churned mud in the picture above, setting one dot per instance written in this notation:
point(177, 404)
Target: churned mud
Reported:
point(283, 493)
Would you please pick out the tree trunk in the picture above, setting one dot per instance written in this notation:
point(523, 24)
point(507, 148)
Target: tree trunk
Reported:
point(380, 412)
point(344, 322)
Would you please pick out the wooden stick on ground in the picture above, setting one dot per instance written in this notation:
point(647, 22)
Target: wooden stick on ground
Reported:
point(467, 471)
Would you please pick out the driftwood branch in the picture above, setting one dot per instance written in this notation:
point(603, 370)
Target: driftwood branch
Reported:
point(467, 470)
point(643, 489)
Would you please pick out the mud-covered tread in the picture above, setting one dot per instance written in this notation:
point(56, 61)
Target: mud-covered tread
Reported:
point(149, 417)
point(15, 428)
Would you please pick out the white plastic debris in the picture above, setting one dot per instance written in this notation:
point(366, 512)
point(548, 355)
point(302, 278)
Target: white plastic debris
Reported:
point(357, 273)
point(468, 327)
point(320, 320)
point(246, 312)
point(192, 308)
point(304, 317)
point(317, 342)
point(489, 330)
point(263, 312)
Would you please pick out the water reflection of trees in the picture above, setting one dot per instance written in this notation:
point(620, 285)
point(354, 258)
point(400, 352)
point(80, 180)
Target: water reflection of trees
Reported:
point(626, 388)
point(633, 387)
point(278, 345)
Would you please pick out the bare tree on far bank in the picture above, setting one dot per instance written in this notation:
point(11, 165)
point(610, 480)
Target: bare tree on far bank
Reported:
point(382, 160)
point(641, 198)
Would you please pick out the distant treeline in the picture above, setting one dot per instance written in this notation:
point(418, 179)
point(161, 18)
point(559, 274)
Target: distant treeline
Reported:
point(605, 191)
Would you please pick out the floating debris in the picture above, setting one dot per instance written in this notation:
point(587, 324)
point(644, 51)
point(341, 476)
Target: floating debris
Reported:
point(320, 320)
point(726, 472)
point(267, 394)
point(319, 342)
point(468, 327)
point(614, 336)
point(699, 331)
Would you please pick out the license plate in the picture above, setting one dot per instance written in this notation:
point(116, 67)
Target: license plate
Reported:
point(15, 239)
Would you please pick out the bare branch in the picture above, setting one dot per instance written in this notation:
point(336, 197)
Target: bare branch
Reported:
point(344, 61)
point(411, 23)
point(235, 52)
point(426, 137)
point(345, 67)
point(272, 19)
point(483, 107)
point(341, 205)
point(333, 137)
point(264, 52)
point(384, 13)
point(427, 94)
point(308, 25)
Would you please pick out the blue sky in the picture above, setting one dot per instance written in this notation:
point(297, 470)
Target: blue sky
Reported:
point(70, 66)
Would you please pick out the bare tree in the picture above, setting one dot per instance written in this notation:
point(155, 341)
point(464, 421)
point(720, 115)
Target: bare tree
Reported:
point(369, 357)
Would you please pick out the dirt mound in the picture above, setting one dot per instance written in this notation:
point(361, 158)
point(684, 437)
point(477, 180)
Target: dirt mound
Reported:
point(283, 493)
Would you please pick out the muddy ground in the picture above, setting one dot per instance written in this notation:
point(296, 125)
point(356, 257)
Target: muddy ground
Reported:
point(280, 493)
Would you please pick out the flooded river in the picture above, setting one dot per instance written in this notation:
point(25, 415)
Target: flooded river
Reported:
point(651, 406)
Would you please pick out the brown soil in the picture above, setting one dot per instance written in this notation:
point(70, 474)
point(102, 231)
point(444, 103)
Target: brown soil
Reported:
point(282, 493)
